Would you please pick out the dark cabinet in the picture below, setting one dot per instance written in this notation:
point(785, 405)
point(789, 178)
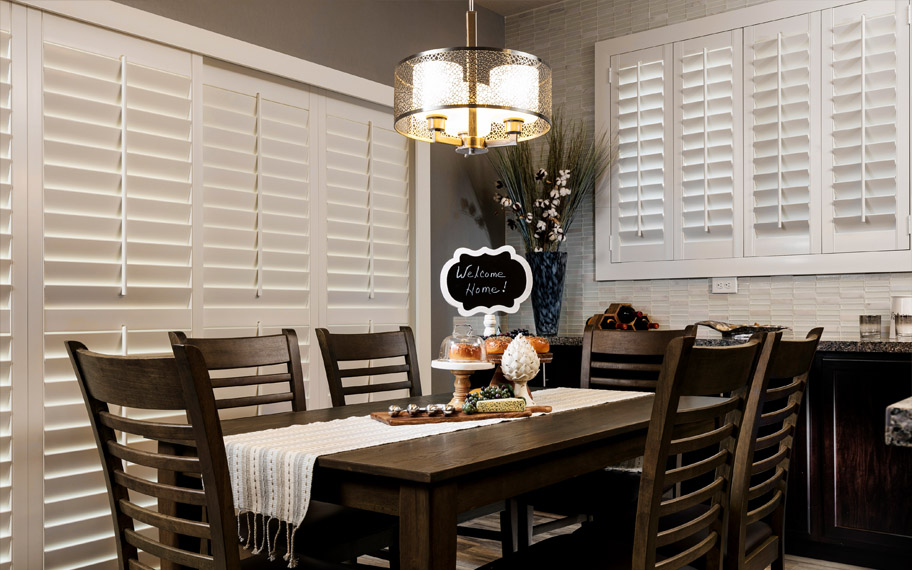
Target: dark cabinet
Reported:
point(850, 494)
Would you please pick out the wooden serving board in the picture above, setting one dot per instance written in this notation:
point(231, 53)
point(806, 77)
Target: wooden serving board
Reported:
point(406, 420)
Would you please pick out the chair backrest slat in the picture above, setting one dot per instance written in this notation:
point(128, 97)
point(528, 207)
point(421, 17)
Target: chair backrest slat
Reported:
point(357, 348)
point(187, 460)
point(241, 354)
point(624, 360)
point(673, 532)
point(154, 460)
point(760, 477)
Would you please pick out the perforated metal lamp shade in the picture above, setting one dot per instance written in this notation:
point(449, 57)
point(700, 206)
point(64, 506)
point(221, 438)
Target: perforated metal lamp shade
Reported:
point(472, 97)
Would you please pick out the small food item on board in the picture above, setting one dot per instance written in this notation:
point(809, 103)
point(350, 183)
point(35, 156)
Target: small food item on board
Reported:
point(501, 405)
point(496, 393)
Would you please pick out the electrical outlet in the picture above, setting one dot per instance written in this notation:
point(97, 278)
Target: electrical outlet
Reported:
point(725, 285)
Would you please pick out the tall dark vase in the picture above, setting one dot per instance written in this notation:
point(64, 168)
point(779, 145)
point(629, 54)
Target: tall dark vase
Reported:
point(548, 269)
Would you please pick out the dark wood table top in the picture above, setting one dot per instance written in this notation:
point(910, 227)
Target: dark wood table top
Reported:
point(439, 458)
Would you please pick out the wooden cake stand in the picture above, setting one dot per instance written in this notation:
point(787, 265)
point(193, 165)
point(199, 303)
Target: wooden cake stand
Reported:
point(498, 378)
point(462, 370)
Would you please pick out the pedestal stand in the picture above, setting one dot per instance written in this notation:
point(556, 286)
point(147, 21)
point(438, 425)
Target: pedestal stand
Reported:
point(462, 371)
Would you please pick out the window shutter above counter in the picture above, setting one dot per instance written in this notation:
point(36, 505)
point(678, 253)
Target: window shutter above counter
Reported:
point(641, 184)
point(782, 135)
point(866, 139)
point(708, 146)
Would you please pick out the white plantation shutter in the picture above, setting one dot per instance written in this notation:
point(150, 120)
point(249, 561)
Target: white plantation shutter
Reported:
point(117, 245)
point(367, 189)
point(256, 209)
point(708, 147)
point(6, 289)
point(782, 135)
point(866, 137)
point(641, 183)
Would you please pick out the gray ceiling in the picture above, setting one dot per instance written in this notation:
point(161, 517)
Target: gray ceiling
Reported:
point(510, 7)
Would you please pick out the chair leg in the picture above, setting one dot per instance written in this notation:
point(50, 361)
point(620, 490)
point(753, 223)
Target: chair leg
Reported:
point(524, 524)
point(777, 523)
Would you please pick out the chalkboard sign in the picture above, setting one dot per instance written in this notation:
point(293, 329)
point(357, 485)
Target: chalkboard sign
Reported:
point(486, 280)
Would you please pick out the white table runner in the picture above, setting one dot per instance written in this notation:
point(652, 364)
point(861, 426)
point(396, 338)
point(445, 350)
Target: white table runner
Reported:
point(272, 470)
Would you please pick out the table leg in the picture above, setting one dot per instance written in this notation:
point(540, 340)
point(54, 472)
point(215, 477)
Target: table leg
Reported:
point(427, 527)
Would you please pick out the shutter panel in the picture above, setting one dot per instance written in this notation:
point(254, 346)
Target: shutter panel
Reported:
point(256, 209)
point(366, 173)
point(116, 245)
point(708, 147)
point(782, 86)
point(641, 183)
point(866, 141)
point(6, 292)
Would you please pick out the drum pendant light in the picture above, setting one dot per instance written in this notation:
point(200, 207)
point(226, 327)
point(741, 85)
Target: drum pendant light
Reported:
point(472, 97)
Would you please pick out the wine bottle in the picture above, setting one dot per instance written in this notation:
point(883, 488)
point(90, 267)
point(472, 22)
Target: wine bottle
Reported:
point(608, 323)
point(626, 314)
point(641, 323)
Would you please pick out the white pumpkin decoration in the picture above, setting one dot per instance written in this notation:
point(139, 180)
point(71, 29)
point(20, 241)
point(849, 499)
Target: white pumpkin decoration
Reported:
point(520, 364)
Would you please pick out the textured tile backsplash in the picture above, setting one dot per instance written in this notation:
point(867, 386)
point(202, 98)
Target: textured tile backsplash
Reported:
point(564, 35)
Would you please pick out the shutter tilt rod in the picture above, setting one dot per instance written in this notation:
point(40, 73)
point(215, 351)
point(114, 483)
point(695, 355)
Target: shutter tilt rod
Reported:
point(639, 198)
point(863, 111)
point(370, 210)
point(259, 200)
point(123, 176)
point(779, 129)
point(705, 143)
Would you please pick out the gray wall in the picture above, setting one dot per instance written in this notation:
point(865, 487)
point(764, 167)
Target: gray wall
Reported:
point(367, 38)
point(564, 35)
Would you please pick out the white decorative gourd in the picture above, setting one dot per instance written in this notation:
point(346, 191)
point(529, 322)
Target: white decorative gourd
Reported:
point(520, 364)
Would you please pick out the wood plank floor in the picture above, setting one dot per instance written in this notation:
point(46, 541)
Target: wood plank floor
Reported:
point(474, 552)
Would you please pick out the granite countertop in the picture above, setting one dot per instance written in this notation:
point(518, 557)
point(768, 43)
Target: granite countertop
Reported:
point(841, 344)
point(899, 423)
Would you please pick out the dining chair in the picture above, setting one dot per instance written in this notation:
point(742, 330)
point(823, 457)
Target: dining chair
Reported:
point(339, 348)
point(625, 360)
point(672, 531)
point(135, 448)
point(760, 479)
point(615, 360)
point(339, 533)
point(241, 354)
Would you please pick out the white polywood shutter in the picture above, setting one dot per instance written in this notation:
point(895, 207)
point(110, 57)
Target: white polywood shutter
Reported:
point(641, 179)
point(782, 137)
point(257, 199)
point(6, 292)
point(708, 147)
point(866, 134)
point(367, 188)
point(117, 267)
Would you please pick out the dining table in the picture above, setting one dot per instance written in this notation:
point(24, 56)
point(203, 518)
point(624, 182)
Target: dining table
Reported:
point(428, 482)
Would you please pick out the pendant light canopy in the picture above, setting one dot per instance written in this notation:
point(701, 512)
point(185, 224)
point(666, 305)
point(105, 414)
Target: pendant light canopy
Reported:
point(473, 97)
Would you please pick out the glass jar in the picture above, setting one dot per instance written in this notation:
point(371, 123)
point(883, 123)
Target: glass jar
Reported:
point(462, 345)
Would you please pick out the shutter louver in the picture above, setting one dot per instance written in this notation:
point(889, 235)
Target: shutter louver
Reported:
point(782, 86)
point(256, 211)
point(866, 142)
point(641, 183)
point(6, 289)
point(708, 147)
point(117, 251)
point(367, 218)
